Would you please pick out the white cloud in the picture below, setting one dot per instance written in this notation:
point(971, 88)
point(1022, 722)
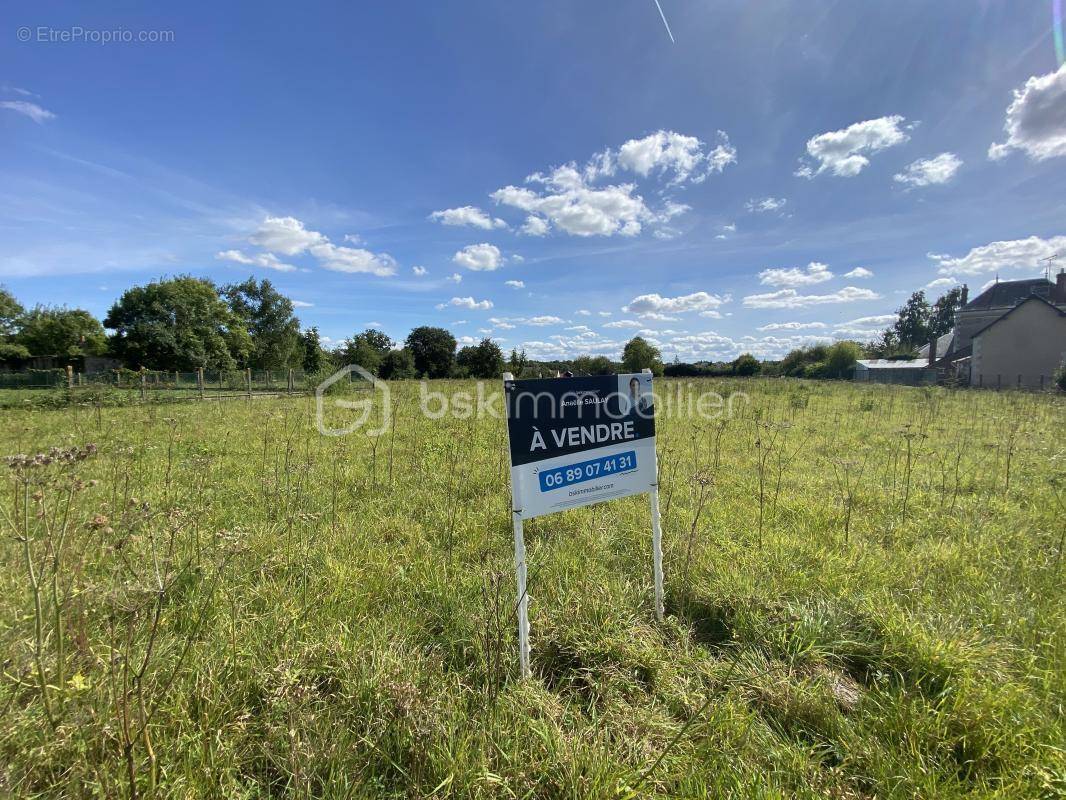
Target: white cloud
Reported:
point(816, 272)
point(502, 324)
point(656, 303)
point(928, 171)
point(289, 236)
point(455, 277)
point(286, 235)
point(603, 313)
point(571, 202)
point(535, 226)
point(419, 271)
point(353, 260)
point(515, 284)
point(876, 321)
point(584, 312)
point(793, 326)
point(1016, 254)
point(1036, 119)
point(578, 209)
point(842, 152)
point(859, 272)
point(265, 260)
point(730, 228)
point(544, 320)
point(468, 303)
point(479, 257)
point(766, 204)
point(863, 327)
point(674, 154)
point(657, 317)
point(790, 298)
point(941, 283)
point(624, 323)
point(467, 215)
point(31, 110)
point(466, 340)
point(302, 304)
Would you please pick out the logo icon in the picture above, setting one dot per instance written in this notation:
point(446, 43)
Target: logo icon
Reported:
point(365, 406)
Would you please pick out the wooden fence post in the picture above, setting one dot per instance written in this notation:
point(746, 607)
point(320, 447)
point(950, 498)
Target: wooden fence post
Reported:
point(70, 376)
point(289, 382)
point(248, 380)
point(200, 381)
point(144, 384)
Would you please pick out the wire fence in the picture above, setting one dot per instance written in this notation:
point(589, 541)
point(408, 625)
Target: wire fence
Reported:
point(162, 384)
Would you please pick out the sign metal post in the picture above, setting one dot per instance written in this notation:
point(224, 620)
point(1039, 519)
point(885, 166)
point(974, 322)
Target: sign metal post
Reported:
point(656, 536)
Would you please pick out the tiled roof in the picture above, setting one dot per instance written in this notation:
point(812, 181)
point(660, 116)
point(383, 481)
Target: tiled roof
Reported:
point(1006, 294)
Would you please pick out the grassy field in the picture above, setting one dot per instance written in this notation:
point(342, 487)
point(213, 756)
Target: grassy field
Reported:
point(864, 599)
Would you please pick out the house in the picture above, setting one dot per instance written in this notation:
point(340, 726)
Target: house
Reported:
point(1022, 348)
point(997, 343)
point(910, 372)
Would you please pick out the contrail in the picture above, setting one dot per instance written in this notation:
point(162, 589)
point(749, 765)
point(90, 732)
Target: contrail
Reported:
point(667, 24)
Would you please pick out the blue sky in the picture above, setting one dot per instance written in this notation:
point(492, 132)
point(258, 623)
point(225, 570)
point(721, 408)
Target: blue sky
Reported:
point(782, 171)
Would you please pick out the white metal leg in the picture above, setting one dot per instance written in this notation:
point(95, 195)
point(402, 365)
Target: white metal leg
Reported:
point(523, 597)
point(657, 552)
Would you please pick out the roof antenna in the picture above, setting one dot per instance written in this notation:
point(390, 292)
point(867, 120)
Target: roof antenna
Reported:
point(667, 24)
point(1048, 260)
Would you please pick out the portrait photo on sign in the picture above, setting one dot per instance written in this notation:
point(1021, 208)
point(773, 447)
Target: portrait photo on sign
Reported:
point(636, 396)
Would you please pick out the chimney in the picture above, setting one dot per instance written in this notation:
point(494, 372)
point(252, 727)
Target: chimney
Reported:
point(965, 294)
point(932, 350)
point(1060, 287)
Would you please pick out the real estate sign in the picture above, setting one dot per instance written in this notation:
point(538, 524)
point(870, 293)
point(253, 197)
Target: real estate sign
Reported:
point(577, 441)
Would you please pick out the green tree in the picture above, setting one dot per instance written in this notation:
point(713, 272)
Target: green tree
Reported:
point(177, 323)
point(433, 350)
point(313, 358)
point(911, 328)
point(746, 364)
point(398, 365)
point(804, 362)
point(517, 363)
point(841, 358)
point(639, 355)
point(367, 349)
point(268, 317)
point(483, 360)
point(13, 352)
point(11, 312)
point(64, 332)
point(942, 318)
point(593, 365)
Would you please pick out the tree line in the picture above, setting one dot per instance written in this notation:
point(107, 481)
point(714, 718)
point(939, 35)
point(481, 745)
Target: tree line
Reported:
point(186, 323)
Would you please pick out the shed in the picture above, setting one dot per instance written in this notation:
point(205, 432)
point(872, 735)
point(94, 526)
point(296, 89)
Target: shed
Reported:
point(916, 372)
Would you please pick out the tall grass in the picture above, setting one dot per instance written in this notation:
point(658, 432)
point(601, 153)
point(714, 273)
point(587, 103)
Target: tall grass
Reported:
point(215, 600)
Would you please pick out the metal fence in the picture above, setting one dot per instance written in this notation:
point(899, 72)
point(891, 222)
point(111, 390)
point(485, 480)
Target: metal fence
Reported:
point(160, 384)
